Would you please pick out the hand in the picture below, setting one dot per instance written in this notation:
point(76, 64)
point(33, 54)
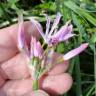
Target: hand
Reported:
point(14, 74)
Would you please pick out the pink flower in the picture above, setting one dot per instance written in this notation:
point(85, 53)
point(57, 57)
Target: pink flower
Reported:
point(75, 51)
point(36, 48)
point(32, 50)
point(53, 36)
point(44, 58)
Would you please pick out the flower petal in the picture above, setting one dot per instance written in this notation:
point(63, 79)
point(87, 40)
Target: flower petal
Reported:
point(36, 51)
point(64, 30)
point(55, 23)
point(47, 24)
point(39, 28)
point(70, 28)
point(66, 37)
point(75, 51)
point(40, 49)
point(32, 47)
point(21, 37)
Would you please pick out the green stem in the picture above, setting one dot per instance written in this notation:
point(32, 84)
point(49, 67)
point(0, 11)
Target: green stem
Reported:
point(35, 84)
point(35, 63)
point(43, 44)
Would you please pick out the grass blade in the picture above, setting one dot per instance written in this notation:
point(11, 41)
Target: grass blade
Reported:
point(78, 78)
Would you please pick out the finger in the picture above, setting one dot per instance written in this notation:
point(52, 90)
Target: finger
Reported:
point(58, 68)
point(20, 88)
point(8, 39)
point(36, 93)
point(16, 68)
point(49, 84)
point(56, 84)
point(16, 87)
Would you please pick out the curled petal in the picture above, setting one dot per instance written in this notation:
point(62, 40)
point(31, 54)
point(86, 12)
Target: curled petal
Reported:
point(66, 37)
point(75, 51)
point(64, 32)
point(66, 29)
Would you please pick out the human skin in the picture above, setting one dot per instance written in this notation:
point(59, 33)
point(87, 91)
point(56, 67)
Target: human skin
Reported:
point(15, 77)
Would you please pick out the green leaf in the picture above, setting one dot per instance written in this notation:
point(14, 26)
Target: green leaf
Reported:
point(81, 12)
point(79, 26)
point(49, 6)
point(89, 92)
point(12, 1)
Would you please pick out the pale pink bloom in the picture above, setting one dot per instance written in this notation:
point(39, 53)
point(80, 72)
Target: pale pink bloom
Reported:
point(75, 51)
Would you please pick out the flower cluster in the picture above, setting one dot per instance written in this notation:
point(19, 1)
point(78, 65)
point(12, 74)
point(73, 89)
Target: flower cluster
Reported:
point(41, 58)
point(53, 36)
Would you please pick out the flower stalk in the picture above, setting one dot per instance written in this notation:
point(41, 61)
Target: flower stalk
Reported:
point(35, 85)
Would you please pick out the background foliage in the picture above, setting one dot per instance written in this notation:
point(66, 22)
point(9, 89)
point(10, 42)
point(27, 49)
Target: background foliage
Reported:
point(82, 13)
